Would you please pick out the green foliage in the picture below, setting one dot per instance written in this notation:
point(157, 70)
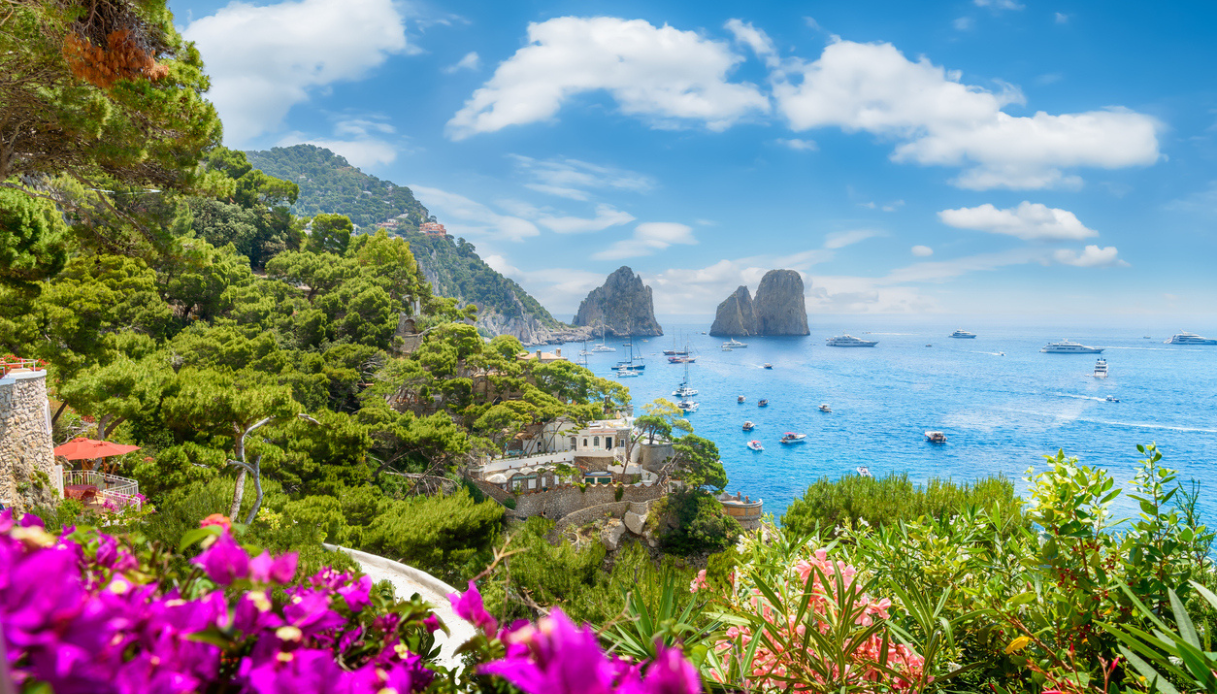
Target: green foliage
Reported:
point(331, 233)
point(889, 499)
point(33, 239)
point(692, 521)
point(445, 535)
point(698, 463)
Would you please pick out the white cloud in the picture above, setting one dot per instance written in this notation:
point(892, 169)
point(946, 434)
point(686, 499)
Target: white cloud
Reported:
point(363, 153)
point(463, 216)
point(1049, 78)
point(800, 145)
point(937, 120)
point(1028, 221)
point(923, 251)
point(263, 60)
point(606, 216)
point(1062, 18)
point(1091, 256)
point(649, 237)
point(998, 4)
point(471, 61)
point(574, 179)
point(661, 74)
point(1202, 202)
point(962, 23)
point(841, 239)
point(756, 39)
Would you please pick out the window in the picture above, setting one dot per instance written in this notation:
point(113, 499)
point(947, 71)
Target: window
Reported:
point(596, 441)
point(608, 441)
point(585, 442)
point(532, 483)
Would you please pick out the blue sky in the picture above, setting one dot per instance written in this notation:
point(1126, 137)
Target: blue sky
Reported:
point(971, 157)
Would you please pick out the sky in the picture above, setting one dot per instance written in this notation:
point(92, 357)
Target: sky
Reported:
point(983, 157)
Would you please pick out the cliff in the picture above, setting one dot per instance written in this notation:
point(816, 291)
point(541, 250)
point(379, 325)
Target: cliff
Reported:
point(779, 306)
point(735, 317)
point(622, 306)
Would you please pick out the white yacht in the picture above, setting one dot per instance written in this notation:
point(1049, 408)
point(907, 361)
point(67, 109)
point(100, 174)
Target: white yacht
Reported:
point(963, 335)
point(1067, 347)
point(688, 405)
point(1100, 368)
point(848, 340)
point(1186, 338)
point(736, 344)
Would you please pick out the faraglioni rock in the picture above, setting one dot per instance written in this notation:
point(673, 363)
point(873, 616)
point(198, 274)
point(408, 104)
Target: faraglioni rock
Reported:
point(735, 317)
point(621, 308)
point(778, 309)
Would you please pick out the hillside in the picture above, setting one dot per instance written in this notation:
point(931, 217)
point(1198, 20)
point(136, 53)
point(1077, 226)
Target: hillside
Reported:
point(328, 183)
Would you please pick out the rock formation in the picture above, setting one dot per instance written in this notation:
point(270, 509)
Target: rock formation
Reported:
point(734, 317)
point(778, 309)
point(622, 307)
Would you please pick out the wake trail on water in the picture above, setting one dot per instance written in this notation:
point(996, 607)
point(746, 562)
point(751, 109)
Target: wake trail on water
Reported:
point(1147, 425)
point(1079, 397)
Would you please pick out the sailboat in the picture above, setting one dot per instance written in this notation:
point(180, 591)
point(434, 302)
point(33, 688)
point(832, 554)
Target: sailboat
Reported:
point(676, 351)
point(629, 365)
point(685, 391)
point(603, 347)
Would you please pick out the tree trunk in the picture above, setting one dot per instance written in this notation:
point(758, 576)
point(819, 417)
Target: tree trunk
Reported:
point(253, 513)
point(240, 489)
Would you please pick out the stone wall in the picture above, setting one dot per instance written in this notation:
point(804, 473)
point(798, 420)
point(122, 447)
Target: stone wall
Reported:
point(616, 509)
point(652, 457)
point(27, 460)
point(560, 502)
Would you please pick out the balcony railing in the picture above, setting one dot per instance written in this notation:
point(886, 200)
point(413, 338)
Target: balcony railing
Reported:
point(107, 490)
point(10, 363)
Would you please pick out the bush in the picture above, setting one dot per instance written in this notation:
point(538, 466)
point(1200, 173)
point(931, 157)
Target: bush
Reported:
point(449, 536)
point(886, 500)
point(692, 522)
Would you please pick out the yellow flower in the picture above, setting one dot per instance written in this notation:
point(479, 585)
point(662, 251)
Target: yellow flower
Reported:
point(1018, 644)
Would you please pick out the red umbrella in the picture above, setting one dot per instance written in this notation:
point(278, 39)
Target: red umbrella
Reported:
point(87, 449)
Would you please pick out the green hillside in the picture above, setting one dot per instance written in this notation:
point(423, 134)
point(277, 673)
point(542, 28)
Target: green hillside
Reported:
point(328, 183)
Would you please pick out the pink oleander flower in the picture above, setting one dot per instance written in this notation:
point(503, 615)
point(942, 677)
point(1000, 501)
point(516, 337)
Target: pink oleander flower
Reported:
point(699, 582)
point(468, 606)
point(224, 561)
point(216, 519)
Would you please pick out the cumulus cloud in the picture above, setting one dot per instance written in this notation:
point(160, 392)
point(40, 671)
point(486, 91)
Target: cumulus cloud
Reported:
point(661, 74)
point(923, 251)
point(606, 216)
point(756, 39)
point(359, 139)
point(1028, 221)
point(799, 145)
point(574, 179)
point(1091, 256)
point(263, 60)
point(465, 217)
point(938, 120)
point(471, 61)
point(648, 238)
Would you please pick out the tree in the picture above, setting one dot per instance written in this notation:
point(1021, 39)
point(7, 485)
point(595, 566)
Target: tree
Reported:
point(699, 461)
point(331, 234)
point(319, 273)
point(32, 239)
point(121, 390)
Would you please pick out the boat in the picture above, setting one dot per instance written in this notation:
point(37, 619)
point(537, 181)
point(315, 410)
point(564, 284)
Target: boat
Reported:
point(628, 372)
point(1186, 338)
point(1112, 398)
point(929, 345)
point(726, 347)
point(762, 403)
point(767, 365)
point(629, 364)
point(825, 408)
point(1147, 337)
point(676, 351)
point(1100, 368)
point(688, 405)
point(755, 445)
point(848, 340)
point(685, 391)
point(603, 347)
point(862, 471)
point(935, 437)
point(681, 360)
point(1001, 354)
point(735, 344)
point(740, 399)
point(749, 426)
point(962, 335)
point(791, 437)
point(1067, 347)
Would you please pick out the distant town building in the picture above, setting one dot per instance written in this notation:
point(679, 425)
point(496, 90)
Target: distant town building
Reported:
point(543, 357)
point(433, 229)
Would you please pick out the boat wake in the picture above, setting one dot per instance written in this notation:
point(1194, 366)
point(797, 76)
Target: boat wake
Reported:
point(1079, 397)
point(1148, 425)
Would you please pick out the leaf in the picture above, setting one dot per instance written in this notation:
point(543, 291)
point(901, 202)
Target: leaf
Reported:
point(1017, 644)
point(197, 535)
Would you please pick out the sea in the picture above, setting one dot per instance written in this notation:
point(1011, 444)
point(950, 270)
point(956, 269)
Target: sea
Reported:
point(1002, 404)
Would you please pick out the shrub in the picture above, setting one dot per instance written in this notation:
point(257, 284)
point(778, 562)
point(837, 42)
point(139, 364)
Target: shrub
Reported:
point(692, 522)
point(449, 536)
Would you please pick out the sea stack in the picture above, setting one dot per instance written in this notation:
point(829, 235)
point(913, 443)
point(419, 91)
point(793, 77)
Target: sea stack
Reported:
point(622, 307)
point(734, 317)
point(779, 308)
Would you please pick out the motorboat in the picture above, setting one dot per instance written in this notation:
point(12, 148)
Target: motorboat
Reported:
point(848, 340)
point(726, 347)
point(740, 399)
point(684, 391)
point(791, 437)
point(755, 445)
point(1100, 368)
point(628, 372)
point(963, 335)
point(749, 426)
point(862, 471)
point(935, 437)
point(735, 344)
point(767, 365)
point(1112, 398)
point(681, 360)
point(688, 405)
point(1186, 338)
point(825, 408)
point(1067, 347)
point(1001, 354)
point(762, 403)
point(929, 345)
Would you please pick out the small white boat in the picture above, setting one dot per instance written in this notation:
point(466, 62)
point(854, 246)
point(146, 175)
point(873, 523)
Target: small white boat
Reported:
point(688, 405)
point(628, 373)
point(1100, 368)
point(1001, 354)
point(755, 445)
point(863, 471)
point(739, 399)
point(585, 353)
point(767, 365)
point(735, 344)
point(762, 403)
point(792, 437)
point(935, 437)
point(726, 347)
point(825, 408)
point(749, 426)
point(1112, 398)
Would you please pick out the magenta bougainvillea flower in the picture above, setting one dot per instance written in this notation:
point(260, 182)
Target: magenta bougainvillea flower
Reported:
point(224, 561)
point(468, 606)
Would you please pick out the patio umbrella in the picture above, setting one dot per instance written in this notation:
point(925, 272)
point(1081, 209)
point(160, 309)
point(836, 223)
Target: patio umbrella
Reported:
point(88, 449)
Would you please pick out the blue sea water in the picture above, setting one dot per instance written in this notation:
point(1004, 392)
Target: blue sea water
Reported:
point(1001, 413)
